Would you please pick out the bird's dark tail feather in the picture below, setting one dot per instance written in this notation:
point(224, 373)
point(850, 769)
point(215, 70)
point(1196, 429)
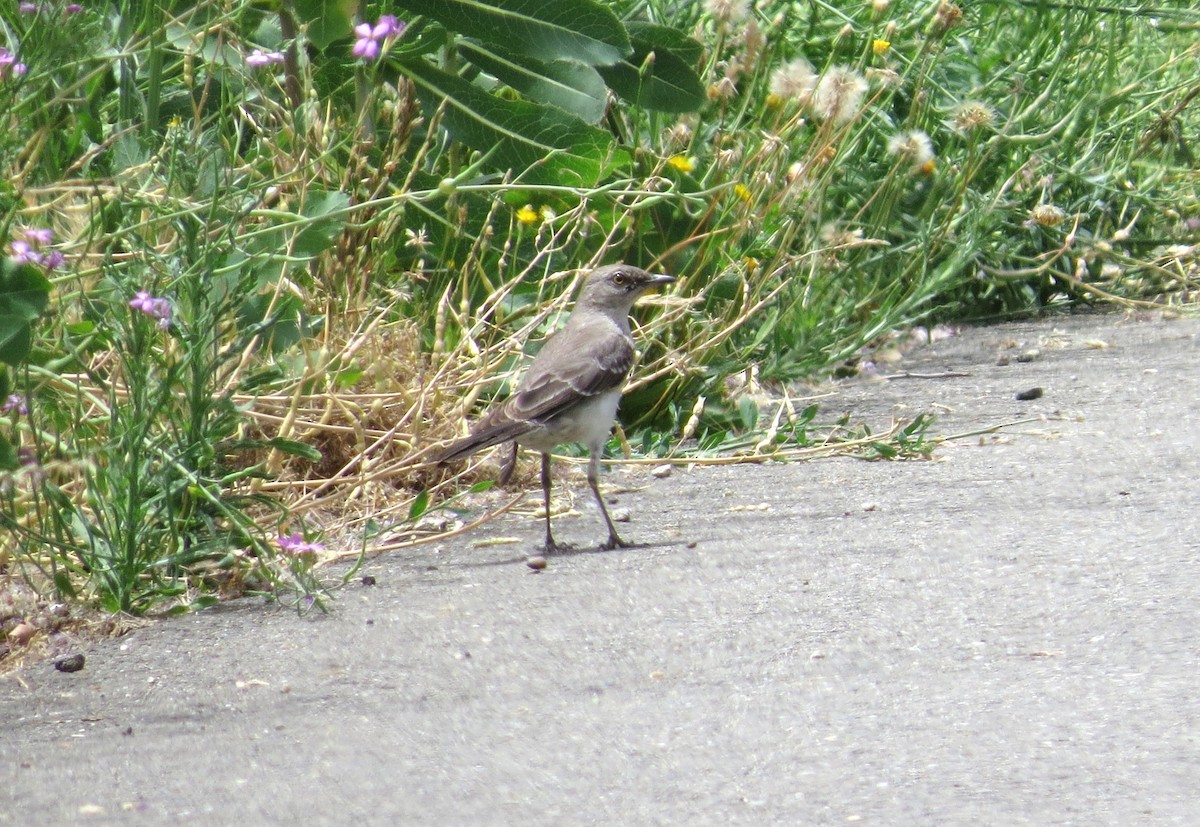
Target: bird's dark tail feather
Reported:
point(486, 438)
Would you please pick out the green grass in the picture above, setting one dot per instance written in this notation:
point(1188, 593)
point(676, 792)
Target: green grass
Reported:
point(346, 278)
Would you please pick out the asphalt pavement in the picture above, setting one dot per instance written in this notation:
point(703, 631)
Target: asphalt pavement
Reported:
point(1003, 635)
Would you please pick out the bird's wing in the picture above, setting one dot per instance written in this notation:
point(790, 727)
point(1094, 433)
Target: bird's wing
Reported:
point(575, 365)
point(585, 358)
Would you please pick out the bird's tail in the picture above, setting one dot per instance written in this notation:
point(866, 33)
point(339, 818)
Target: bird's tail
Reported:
point(484, 438)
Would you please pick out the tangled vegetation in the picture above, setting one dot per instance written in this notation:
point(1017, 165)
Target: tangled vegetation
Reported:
point(261, 256)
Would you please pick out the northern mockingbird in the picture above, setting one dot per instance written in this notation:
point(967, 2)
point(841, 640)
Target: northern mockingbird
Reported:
point(571, 389)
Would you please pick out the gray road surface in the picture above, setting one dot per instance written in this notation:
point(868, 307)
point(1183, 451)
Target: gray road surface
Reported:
point(1005, 635)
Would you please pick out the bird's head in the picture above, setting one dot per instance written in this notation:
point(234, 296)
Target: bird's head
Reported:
point(619, 285)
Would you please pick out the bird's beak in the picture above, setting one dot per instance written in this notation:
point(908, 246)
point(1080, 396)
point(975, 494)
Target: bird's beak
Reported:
point(659, 279)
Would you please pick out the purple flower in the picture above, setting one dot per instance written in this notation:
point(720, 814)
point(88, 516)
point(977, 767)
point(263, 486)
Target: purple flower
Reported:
point(24, 253)
point(296, 546)
point(366, 46)
point(158, 308)
point(388, 26)
point(27, 248)
point(15, 402)
point(9, 64)
point(38, 235)
point(29, 8)
point(73, 8)
point(260, 58)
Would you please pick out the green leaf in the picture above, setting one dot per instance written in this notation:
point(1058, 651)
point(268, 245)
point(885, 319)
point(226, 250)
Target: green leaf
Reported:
point(8, 455)
point(419, 506)
point(326, 20)
point(582, 30)
point(668, 83)
point(542, 143)
point(328, 209)
point(687, 48)
point(24, 291)
point(572, 86)
point(295, 448)
point(16, 338)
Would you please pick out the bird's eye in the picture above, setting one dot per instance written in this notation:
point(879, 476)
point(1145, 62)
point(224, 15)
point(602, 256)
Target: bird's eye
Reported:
point(620, 279)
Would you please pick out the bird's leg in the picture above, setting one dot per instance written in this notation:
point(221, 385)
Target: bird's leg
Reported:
point(593, 475)
point(550, 544)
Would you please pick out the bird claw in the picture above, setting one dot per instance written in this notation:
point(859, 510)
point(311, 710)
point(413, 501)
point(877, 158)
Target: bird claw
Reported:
point(615, 542)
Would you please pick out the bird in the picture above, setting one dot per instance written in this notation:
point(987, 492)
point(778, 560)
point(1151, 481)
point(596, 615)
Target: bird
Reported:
point(571, 389)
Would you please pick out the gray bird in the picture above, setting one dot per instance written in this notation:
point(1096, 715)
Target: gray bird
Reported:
point(571, 389)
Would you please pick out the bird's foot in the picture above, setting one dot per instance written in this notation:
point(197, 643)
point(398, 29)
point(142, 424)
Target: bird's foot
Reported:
point(614, 542)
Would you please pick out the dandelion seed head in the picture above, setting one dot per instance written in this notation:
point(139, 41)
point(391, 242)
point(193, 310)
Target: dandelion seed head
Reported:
point(679, 135)
point(913, 146)
point(884, 78)
point(723, 90)
point(728, 11)
point(839, 95)
point(947, 16)
point(971, 115)
point(794, 80)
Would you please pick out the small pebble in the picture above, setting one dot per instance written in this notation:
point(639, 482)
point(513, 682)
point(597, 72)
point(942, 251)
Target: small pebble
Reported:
point(1029, 355)
point(662, 471)
point(1003, 360)
point(620, 515)
point(1032, 393)
point(22, 633)
point(537, 562)
point(368, 580)
point(70, 663)
point(870, 506)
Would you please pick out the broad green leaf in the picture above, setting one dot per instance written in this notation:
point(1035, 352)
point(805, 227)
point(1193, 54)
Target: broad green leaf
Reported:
point(24, 291)
point(582, 30)
point(572, 86)
point(326, 20)
point(16, 338)
point(328, 209)
point(687, 48)
point(540, 143)
point(667, 83)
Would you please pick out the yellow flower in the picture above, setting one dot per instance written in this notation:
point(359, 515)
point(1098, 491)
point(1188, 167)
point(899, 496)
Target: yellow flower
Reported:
point(880, 46)
point(528, 215)
point(743, 192)
point(682, 163)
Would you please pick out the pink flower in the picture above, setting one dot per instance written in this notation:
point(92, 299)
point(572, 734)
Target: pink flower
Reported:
point(159, 308)
point(15, 402)
point(9, 64)
point(294, 545)
point(367, 45)
point(38, 235)
point(24, 253)
point(387, 26)
point(260, 58)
